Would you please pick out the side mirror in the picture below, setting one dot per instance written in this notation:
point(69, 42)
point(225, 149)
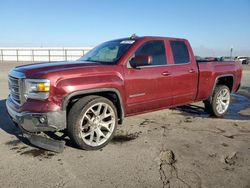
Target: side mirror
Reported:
point(141, 60)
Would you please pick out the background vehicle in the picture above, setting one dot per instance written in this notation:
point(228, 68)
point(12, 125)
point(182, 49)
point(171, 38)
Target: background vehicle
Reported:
point(119, 78)
point(248, 61)
point(242, 59)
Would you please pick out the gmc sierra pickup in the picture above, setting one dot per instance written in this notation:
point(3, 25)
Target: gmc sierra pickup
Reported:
point(88, 98)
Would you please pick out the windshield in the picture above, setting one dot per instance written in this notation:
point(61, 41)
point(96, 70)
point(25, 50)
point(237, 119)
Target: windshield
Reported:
point(108, 52)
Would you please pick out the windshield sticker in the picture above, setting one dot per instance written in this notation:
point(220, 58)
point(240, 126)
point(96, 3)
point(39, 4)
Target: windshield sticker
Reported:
point(127, 42)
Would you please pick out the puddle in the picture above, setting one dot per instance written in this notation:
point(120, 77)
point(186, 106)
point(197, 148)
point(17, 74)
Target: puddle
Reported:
point(38, 153)
point(13, 142)
point(14, 148)
point(125, 138)
point(22, 150)
point(18, 148)
point(147, 121)
point(238, 103)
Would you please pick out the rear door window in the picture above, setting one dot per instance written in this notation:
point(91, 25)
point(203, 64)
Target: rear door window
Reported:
point(180, 52)
point(155, 49)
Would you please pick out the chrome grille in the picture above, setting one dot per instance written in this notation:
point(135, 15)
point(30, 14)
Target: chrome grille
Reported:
point(16, 80)
point(14, 88)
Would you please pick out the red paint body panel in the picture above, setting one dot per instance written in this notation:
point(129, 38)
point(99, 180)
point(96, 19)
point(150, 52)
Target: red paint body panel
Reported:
point(212, 70)
point(142, 90)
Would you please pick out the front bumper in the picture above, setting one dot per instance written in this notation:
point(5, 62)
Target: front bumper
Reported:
point(37, 122)
point(31, 125)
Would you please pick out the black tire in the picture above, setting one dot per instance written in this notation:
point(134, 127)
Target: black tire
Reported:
point(210, 104)
point(76, 113)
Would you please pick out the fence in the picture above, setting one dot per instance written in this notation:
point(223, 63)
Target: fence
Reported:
point(41, 54)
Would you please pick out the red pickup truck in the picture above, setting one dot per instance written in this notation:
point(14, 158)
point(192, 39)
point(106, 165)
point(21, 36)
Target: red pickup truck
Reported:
point(118, 78)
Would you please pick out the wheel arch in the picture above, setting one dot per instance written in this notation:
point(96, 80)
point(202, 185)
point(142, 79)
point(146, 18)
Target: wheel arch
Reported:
point(110, 93)
point(227, 80)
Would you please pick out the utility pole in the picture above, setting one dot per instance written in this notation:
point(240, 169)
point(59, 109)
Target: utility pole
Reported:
point(231, 52)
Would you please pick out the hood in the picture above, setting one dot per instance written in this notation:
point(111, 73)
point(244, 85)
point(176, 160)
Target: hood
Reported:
point(39, 69)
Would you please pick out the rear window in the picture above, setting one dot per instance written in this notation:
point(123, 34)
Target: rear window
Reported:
point(180, 52)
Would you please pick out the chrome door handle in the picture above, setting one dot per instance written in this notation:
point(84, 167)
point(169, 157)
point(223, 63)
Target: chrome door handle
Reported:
point(191, 71)
point(166, 73)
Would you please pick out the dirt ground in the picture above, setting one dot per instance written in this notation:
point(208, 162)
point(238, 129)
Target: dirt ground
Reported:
point(181, 147)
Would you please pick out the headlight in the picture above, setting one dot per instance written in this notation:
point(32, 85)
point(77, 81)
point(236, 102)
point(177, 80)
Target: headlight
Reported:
point(37, 88)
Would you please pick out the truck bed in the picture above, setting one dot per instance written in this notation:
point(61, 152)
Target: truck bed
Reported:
point(210, 71)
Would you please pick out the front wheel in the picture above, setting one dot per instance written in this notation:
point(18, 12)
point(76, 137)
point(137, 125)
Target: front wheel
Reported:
point(218, 104)
point(92, 122)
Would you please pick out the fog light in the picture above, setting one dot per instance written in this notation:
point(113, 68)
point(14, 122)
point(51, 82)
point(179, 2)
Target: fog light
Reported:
point(42, 119)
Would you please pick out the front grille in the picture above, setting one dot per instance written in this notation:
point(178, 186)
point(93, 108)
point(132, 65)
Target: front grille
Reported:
point(15, 89)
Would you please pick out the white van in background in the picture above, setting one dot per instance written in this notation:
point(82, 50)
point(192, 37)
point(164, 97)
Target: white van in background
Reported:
point(243, 59)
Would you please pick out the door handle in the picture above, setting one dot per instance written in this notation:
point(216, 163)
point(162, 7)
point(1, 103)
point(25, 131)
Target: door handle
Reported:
point(191, 71)
point(166, 73)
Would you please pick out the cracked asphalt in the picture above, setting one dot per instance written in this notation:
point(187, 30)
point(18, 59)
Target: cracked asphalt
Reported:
point(182, 147)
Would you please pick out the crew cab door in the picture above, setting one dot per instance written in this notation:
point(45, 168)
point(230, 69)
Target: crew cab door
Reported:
point(185, 73)
point(148, 87)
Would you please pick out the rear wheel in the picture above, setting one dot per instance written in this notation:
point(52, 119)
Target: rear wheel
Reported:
point(244, 61)
point(92, 122)
point(218, 104)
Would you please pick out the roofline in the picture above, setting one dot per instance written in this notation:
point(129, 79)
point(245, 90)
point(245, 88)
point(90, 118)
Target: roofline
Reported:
point(148, 38)
point(160, 37)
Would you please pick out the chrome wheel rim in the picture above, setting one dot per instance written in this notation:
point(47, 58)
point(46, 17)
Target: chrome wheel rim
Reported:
point(97, 124)
point(222, 101)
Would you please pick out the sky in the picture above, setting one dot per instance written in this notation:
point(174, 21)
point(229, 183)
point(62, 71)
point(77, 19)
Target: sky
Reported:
point(211, 26)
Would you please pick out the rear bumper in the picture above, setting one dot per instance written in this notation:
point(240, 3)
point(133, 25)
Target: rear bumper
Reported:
point(37, 122)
